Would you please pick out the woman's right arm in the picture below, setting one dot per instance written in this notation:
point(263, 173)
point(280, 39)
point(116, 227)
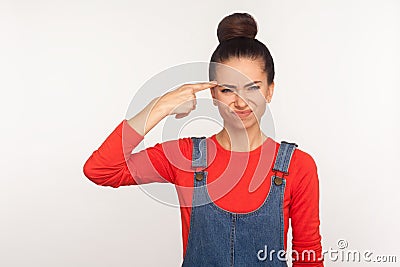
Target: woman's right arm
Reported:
point(112, 164)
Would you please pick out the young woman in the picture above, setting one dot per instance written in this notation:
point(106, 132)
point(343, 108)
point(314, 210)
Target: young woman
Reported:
point(237, 188)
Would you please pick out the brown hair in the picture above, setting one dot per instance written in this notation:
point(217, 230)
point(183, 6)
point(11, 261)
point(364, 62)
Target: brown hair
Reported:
point(236, 34)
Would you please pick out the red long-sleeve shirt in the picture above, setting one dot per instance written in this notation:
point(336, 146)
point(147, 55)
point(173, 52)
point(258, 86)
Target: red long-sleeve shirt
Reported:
point(112, 164)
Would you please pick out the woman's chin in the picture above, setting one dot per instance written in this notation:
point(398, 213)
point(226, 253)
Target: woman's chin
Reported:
point(240, 123)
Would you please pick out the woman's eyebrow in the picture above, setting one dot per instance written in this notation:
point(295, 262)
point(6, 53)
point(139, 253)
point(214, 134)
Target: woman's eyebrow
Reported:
point(234, 86)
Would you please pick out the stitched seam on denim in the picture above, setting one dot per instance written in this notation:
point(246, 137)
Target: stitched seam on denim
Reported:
point(233, 237)
point(288, 157)
point(284, 158)
point(203, 151)
point(279, 162)
point(282, 213)
point(278, 158)
point(194, 148)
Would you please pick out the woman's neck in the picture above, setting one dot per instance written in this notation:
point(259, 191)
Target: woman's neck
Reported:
point(240, 140)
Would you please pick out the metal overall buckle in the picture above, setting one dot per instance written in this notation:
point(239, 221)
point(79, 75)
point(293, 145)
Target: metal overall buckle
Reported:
point(199, 174)
point(279, 180)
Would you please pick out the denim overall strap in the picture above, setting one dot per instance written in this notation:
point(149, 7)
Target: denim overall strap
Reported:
point(282, 161)
point(285, 152)
point(209, 227)
point(199, 154)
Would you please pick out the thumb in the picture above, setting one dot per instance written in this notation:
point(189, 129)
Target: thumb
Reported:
point(181, 115)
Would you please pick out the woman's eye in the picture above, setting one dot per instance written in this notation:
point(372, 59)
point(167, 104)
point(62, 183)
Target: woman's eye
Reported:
point(255, 87)
point(226, 90)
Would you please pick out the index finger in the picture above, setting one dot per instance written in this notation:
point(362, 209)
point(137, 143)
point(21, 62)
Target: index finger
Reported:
point(197, 87)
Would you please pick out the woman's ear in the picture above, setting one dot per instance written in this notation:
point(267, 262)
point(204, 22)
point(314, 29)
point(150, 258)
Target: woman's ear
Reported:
point(270, 92)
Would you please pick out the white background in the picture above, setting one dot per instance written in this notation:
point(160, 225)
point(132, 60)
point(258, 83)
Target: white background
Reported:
point(69, 70)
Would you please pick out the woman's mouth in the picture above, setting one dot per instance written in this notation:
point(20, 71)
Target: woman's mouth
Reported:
point(243, 113)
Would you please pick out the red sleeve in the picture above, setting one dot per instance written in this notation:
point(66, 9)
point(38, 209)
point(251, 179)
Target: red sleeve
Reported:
point(304, 213)
point(112, 164)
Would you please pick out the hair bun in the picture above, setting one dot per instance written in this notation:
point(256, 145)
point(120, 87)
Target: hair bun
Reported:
point(237, 25)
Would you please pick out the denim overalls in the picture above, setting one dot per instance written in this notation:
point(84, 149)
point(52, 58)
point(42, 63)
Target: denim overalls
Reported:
point(221, 238)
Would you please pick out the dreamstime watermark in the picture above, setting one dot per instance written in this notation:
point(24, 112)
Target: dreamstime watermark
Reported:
point(340, 254)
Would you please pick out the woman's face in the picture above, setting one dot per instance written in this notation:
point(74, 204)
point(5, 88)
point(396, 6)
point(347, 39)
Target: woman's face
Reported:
point(242, 92)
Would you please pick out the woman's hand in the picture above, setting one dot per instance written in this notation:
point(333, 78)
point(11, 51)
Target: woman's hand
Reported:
point(182, 100)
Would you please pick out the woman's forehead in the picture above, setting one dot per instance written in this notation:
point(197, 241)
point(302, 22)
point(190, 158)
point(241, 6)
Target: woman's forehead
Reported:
point(240, 79)
point(239, 73)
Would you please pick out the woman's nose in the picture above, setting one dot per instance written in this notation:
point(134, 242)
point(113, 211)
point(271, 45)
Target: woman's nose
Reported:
point(240, 101)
